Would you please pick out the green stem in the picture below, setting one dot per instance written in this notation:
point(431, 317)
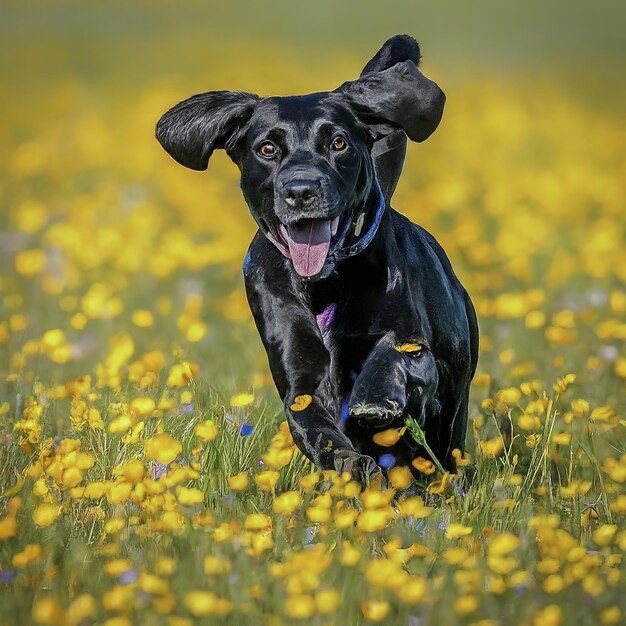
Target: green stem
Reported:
point(418, 434)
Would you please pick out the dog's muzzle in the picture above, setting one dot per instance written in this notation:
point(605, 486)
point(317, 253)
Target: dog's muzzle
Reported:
point(310, 242)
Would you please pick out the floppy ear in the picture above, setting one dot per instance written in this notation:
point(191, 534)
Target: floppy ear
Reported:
point(399, 97)
point(389, 149)
point(394, 50)
point(192, 129)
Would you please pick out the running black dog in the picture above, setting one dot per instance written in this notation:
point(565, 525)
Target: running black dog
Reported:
point(361, 315)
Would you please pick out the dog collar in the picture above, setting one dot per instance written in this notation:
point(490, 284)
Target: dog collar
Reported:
point(363, 239)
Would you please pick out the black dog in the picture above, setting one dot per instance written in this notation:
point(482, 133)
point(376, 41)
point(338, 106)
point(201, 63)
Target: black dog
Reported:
point(361, 315)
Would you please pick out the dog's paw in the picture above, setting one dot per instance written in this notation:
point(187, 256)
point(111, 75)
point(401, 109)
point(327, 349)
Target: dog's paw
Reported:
point(361, 467)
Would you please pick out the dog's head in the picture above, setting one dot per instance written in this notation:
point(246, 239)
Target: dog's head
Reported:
point(315, 169)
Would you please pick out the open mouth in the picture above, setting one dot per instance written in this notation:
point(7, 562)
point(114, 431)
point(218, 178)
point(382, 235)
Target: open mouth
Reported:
point(308, 243)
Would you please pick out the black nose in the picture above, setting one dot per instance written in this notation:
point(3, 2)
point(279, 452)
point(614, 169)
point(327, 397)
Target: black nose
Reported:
point(300, 193)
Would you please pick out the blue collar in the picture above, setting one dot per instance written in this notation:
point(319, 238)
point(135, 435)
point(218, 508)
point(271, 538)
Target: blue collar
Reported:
point(364, 240)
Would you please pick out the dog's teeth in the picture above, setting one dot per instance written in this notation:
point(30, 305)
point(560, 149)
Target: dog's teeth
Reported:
point(358, 226)
point(334, 225)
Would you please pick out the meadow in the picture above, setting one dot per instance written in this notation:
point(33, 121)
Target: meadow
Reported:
point(147, 475)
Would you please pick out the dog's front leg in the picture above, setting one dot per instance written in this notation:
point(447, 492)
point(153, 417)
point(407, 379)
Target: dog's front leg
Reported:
point(300, 365)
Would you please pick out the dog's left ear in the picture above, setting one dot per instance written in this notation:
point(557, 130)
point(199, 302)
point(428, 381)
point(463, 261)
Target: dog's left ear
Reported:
point(399, 97)
point(194, 128)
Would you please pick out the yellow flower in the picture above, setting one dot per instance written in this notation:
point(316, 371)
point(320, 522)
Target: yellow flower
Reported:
point(46, 514)
point(286, 503)
point(238, 482)
point(29, 554)
point(300, 606)
point(48, 611)
point(491, 447)
point(374, 519)
point(267, 480)
point(201, 602)
point(563, 383)
point(413, 506)
point(134, 470)
point(277, 458)
point(118, 598)
point(216, 565)
point(319, 514)
point(72, 476)
point(604, 535)
point(30, 262)
point(350, 555)
point(454, 531)
point(327, 601)
point(400, 477)
point(526, 421)
point(455, 555)
point(441, 485)
point(593, 585)
point(118, 620)
point(114, 525)
point(553, 584)
point(142, 318)
point(533, 440)
point(503, 544)
point(611, 615)
point(241, 399)
point(143, 406)
point(375, 610)
point(500, 564)
point(258, 521)
point(8, 527)
point(412, 590)
point(562, 439)
point(173, 521)
point(119, 492)
point(510, 395)
point(409, 348)
point(301, 402)
point(425, 466)
point(580, 407)
point(389, 437)
point(466, 604)
point(162, 448)
point(308, 481)
point(384, 573)
point(207, 430)
point(551, 615)
point(116, 567)
point(345, 516)
point(181, 374)
point(81, 609)
point(188, 496)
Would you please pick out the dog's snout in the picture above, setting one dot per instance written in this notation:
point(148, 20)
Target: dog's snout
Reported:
point(300, 193)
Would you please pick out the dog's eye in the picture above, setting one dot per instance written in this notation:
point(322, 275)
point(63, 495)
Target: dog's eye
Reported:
point(339, 144)
point(267, 150)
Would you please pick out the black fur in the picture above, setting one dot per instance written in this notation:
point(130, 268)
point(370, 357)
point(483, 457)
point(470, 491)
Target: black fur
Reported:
point(376, 326)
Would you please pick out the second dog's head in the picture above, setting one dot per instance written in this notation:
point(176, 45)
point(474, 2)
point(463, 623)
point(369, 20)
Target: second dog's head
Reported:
point(312, 166)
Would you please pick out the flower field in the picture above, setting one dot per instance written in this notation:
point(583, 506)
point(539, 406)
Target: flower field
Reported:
point(147, 475)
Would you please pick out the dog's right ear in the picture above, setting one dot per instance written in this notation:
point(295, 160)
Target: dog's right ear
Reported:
point(194, 128)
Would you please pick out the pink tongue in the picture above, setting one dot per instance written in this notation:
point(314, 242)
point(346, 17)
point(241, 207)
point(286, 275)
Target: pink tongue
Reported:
point(308, 244)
